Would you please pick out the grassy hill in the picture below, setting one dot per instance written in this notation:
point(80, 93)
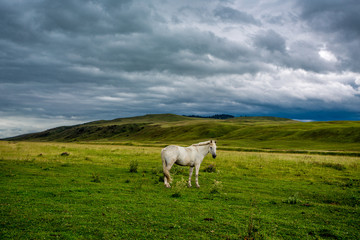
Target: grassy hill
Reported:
point(241, 133)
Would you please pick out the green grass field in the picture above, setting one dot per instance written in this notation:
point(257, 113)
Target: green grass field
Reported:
point(54, 190)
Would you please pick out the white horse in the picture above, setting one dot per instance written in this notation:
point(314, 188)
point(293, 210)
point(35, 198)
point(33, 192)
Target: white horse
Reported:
point(191, 156)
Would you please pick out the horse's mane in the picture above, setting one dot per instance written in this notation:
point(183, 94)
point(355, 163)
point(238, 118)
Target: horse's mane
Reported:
point(201, 143)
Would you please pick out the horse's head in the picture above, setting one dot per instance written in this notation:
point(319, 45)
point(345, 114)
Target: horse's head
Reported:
point(212, 148)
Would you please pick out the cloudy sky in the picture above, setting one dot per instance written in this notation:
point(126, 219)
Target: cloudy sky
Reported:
point(67, 62)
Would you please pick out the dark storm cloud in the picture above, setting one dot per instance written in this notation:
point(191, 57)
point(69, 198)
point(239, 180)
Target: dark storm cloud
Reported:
point(271, 41)
point(183, 52)
point(228, 14)
point(339, 20)
point(333, 15)
point(36, 19)
point(73, 61)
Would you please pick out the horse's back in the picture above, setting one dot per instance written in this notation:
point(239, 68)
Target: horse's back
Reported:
point(170, 148)
point(170, 151)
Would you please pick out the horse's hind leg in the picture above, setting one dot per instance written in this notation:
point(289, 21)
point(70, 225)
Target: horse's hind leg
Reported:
point(190, 174)
point(167, 177)
point(167, 184)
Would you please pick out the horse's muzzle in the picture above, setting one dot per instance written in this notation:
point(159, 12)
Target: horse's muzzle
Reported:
point(214, 155)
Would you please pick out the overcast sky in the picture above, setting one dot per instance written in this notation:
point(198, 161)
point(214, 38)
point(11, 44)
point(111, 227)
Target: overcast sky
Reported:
point(67, 62)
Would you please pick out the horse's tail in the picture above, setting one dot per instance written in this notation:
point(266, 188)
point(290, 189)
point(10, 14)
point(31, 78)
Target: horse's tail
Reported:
point(165, 170)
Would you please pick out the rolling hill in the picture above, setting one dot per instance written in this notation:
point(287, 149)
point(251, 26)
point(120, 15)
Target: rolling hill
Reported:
point(240, 133)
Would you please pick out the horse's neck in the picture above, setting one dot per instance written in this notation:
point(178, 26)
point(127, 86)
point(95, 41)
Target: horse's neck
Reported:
point(203, 149)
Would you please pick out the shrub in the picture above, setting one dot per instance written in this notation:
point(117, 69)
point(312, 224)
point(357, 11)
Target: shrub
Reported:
point(210, 168)
point(96, 178)
point(336, 166)
point(134, 166)
point(179, 186)
point(176, 195)
point(293, 199)
point(216, 187)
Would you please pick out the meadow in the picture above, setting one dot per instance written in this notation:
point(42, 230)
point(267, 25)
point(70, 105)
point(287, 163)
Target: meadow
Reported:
point(56, 190)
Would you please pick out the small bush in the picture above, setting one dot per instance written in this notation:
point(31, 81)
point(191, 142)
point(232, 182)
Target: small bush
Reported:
point(325, 233)
point(95, 178)
point(293, 199)
point(134, 166)
point(210, 168)
point(179, 186)
point(64, 154)
point(336, 166)
point(216, 187)
point(176, 195)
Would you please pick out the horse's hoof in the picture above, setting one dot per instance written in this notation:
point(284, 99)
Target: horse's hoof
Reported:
point(198, 186)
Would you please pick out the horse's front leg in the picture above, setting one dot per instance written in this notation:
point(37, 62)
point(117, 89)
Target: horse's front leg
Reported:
point(197, 168)
point(190, 174)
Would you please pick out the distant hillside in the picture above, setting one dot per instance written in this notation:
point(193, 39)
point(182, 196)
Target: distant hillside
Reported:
point(248, 132)
point(148, 127)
